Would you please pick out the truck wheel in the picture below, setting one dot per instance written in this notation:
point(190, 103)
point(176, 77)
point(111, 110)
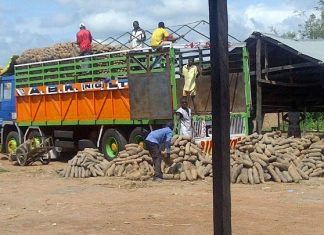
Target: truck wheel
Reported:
point(12, 142)
point(112, 142)
point(138, 136)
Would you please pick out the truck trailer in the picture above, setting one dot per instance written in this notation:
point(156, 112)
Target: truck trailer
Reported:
point(110, 99)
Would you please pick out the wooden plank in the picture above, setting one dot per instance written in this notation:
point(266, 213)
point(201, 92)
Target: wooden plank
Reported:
point(258, 87)
point(287, 67)
point(314, 84)
point(218, 26)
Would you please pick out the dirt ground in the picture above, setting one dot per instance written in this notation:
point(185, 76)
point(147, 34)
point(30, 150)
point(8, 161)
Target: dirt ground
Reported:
point(35, 200)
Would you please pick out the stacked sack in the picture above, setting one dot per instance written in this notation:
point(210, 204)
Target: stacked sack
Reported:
point(271, 157)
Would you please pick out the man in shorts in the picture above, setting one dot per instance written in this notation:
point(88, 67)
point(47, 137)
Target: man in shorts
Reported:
point(190, 73)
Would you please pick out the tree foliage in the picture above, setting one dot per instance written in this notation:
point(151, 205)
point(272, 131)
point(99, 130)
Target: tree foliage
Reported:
point(313, 28)
point(314, 25)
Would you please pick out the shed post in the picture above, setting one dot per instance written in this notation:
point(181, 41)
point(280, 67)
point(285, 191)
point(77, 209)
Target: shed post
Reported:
point(258, 87)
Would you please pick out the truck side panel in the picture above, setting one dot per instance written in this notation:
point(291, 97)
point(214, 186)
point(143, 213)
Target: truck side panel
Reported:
point(39, 107)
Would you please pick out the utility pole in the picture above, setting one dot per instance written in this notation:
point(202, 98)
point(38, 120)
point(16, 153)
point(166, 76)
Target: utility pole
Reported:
point(218, 24)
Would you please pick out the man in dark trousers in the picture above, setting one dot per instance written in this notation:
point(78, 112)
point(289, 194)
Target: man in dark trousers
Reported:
point(294, 119)
point(84, 39)
point(154, 142)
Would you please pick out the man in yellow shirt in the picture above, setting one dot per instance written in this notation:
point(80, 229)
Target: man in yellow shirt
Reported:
point(160, 37)
point(190, 73)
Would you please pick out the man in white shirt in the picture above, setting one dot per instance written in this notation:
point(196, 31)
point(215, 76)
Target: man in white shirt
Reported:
point(137, 37)
point(184, 116)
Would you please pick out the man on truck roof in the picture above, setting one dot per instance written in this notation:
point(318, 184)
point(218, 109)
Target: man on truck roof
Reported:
point(84, 40)
point(137, 37)
point(160, 37)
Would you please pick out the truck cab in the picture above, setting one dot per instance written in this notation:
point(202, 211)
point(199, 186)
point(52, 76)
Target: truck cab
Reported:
point(7, 98)
point(10, 137)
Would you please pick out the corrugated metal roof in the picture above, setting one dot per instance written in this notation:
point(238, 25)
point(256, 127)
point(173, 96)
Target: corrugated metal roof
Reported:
point(310, 48)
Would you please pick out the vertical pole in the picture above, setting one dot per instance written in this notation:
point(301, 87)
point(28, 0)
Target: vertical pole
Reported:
point(247, 89)
point(304, 122)
point(283, 123)
point(258, 88)
point(317, 122)
point(175, 98)
point(221, 116)
point(266, 63)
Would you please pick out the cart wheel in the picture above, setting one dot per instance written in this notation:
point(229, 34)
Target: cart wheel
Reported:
point(22, 159)
point(44, 160)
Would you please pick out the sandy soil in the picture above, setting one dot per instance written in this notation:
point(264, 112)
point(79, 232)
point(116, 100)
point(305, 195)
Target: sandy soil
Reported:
point(35, 200)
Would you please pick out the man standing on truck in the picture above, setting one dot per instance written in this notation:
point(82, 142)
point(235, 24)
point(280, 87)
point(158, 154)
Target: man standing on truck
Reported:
point(160, 37)
point(154, 142)
point(84, 40)
point(184, 117)
point(190, 73)
point(137, 37)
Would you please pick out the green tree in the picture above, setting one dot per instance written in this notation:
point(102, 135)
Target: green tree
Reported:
point(314, 25)
point(313, 28)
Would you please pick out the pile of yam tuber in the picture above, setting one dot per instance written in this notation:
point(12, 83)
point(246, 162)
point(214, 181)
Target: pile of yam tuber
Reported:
point(271, 157)
point(60, 51)
point(133, 163)
point(256, 159)
point(186, 162)
point(86, 163)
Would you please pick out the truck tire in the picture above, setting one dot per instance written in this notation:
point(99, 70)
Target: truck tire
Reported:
point(112, 143)
point(12, 142)
point(138, 136)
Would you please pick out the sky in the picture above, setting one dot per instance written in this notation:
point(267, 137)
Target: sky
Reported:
point(42, 23)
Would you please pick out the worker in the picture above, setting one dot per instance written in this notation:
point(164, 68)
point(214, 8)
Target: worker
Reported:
point(294, 119)
point(190, 73)
point(154, 142)
point(84, 39)
point(137, 37)
point(183, 115)
point(160, 37)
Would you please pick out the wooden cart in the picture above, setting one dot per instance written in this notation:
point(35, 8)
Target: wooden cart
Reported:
point(34, 149)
